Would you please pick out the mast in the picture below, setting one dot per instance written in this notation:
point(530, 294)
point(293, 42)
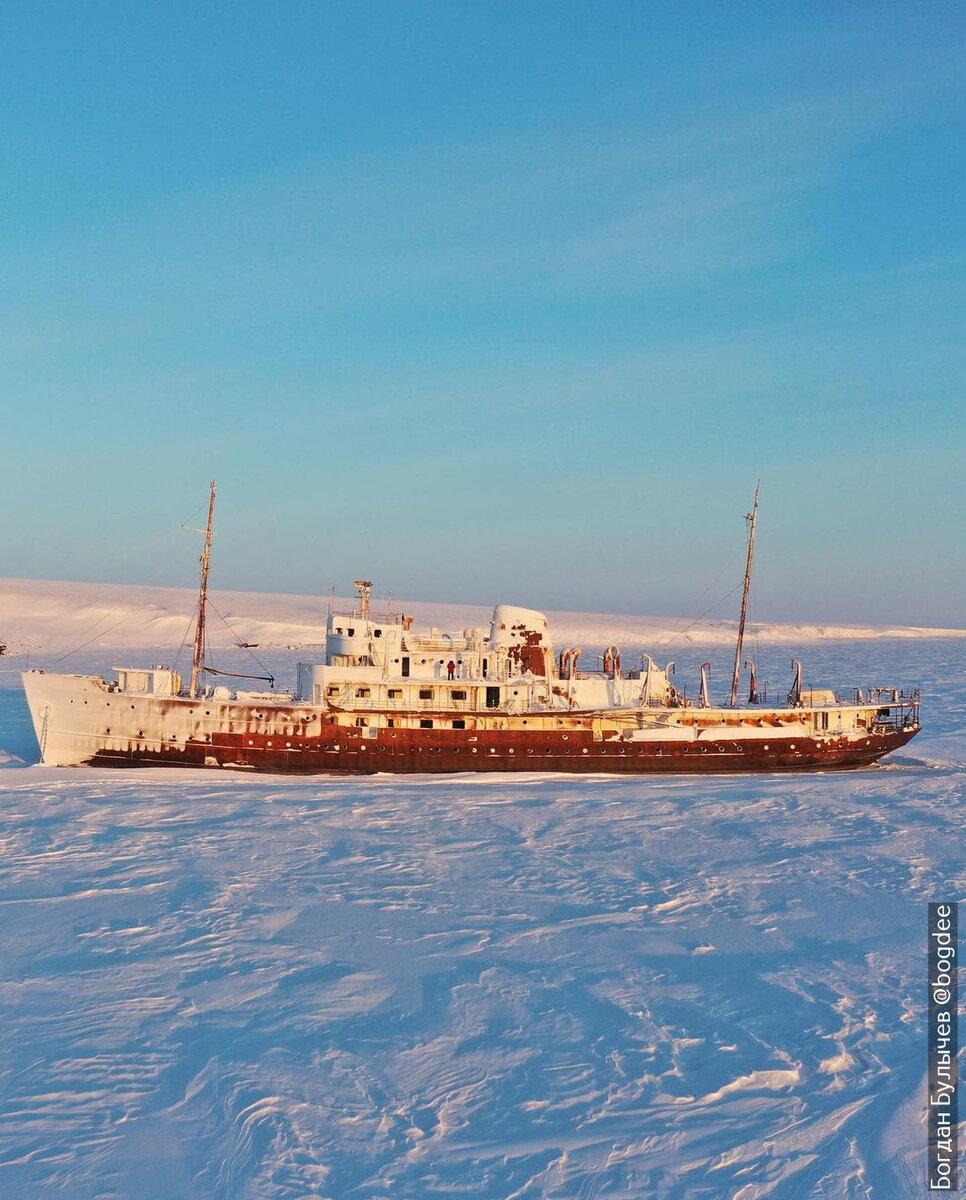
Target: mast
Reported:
point(752, 519)
point(198, 659)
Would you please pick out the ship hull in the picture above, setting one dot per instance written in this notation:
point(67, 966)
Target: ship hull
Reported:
point(80, 721)
point(509, 752)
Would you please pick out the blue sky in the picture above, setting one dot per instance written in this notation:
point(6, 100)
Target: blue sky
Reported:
point(489, 301)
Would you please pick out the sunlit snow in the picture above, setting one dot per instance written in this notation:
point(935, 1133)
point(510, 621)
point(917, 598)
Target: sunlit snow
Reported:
point(222, 987)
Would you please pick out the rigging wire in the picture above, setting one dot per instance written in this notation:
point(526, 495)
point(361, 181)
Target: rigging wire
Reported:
point(151, 581)
point(675, 631)
point(247, 649)
point(84, 645)
point(184, 637)
point(721, 599)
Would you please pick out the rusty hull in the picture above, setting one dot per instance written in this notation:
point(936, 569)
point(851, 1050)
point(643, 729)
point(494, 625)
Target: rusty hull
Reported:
point(409, 751)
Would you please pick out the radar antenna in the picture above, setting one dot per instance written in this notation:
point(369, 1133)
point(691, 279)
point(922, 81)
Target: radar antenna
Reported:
point(365, 597)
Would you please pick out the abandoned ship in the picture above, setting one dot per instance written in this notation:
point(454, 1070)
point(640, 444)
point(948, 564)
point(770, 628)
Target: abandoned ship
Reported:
point(391, 698)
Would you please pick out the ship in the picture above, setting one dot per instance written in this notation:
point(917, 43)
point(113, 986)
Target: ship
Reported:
point(389, 697)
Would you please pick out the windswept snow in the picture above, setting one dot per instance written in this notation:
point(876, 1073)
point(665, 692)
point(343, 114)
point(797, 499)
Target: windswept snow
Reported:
point(36, 614)
point(215, 987)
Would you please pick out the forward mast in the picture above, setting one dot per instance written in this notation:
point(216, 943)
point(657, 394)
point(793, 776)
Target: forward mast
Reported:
point(198, 657)
point(752, 519)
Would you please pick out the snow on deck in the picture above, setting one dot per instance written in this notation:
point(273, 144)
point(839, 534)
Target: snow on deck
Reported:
point(222, 987)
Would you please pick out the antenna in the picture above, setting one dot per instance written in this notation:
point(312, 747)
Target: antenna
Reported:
point(752, 519)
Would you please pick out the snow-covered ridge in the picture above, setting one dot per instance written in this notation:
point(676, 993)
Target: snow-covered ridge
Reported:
point(41, 614)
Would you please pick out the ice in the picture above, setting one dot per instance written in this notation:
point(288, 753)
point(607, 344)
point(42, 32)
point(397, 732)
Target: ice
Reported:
point(39, 614)
point(219, 987)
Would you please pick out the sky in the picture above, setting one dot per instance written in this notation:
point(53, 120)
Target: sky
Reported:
point(489, 301)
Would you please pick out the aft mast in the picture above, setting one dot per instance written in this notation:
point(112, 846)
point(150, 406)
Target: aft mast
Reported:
point(198, 659)
point(752, 519)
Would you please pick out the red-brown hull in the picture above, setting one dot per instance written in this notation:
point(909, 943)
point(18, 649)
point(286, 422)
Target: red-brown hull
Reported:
point(402, 751)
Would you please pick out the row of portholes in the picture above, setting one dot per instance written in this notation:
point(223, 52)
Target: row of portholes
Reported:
point(547, 753)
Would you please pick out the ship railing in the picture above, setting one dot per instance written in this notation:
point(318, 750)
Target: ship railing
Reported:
point(868, 697)
point(896, 708)
point(886, 697)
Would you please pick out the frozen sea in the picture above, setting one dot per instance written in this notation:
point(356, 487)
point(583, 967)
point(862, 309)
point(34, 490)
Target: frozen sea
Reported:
point(217, 987)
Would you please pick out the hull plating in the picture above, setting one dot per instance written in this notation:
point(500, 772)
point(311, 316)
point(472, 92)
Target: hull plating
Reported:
point(416, 753)
point(80, 721)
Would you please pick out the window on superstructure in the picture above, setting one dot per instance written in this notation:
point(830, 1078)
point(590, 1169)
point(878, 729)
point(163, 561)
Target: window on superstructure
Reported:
point(395, 693)
point(425, 724)
point(361, 722)
point(351, 632)
point(425, 693)
point(459, 695)
point(459, 724)
point(377, 633)
point(362, 693)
